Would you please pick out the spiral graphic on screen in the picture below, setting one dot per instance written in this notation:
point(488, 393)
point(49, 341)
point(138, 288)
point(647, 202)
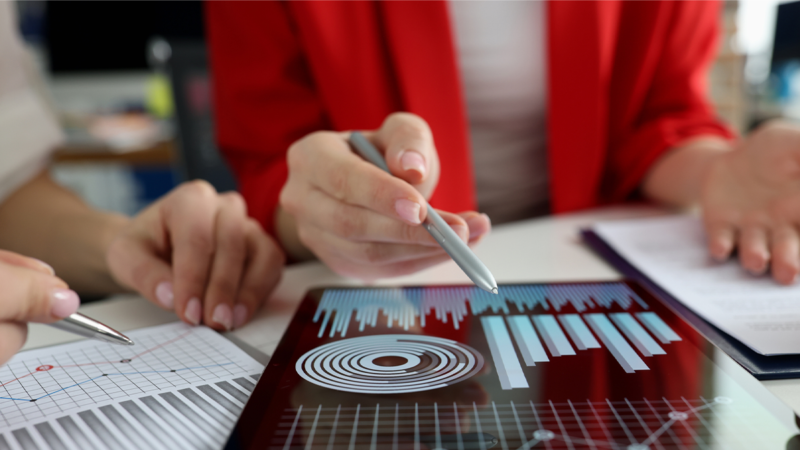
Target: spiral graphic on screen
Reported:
point(389, 364)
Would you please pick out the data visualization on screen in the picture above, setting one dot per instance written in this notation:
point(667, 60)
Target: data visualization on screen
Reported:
point(539, 366)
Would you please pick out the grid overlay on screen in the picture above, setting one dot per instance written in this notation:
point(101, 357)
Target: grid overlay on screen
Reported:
point(630, 424)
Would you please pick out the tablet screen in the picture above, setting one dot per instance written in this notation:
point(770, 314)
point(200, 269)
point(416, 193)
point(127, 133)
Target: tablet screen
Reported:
point(539, 366)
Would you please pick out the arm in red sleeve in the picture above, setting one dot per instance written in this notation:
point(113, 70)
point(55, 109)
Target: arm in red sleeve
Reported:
point(658, 96)
point(264, 96)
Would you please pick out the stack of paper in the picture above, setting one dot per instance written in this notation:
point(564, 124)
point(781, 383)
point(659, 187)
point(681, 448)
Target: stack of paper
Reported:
point(672, 252)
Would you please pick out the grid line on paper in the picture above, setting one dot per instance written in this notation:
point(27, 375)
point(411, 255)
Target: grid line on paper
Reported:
point(92, 373)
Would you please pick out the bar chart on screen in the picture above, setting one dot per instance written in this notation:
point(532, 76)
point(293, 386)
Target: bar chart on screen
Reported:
point(409, 307)
point(550, 321)
point(177, 387)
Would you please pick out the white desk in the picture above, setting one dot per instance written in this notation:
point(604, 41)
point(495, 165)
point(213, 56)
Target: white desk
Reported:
point(548, 249)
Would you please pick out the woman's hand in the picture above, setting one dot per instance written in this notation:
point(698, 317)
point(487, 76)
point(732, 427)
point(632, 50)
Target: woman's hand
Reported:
point(751, 201)
point(361, 221)
point(197, 252)
point(31, 293)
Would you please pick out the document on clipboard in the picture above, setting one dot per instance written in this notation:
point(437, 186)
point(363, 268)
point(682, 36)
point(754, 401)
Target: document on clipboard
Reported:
point(671, 251)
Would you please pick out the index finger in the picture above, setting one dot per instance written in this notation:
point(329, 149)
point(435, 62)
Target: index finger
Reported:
point(326, 161)
point(189, 214)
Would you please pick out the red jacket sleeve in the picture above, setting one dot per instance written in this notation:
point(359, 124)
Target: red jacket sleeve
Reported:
point(656, 105)
point(264, 97)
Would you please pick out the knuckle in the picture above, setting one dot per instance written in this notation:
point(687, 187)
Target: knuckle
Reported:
point(344, 224)
point(37, 300)
point(370, 253)
point(225, 287)
point(408, 233)
point(339, 183)
point(411, 124)
point(288, 200)
point(302, 152)
point(199, 188)
point(200, 241)
point(234, 200)
point(139, 276)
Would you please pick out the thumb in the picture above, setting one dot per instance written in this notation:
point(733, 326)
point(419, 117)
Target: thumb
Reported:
point(28, 295)
point(408, 143)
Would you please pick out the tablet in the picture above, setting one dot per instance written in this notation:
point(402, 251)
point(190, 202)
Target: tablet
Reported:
point(595, 365)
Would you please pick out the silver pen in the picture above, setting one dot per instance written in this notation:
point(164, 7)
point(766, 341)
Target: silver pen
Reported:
point(87, 327)
point(436, 226)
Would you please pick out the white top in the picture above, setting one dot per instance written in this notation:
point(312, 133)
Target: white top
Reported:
point(501, 49)
point(28, 131)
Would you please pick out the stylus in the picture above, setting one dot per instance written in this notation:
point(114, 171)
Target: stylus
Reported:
point(87, 327)
point(436, 226)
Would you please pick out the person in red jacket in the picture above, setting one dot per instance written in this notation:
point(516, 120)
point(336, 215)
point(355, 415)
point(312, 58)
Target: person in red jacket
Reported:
point(514, 108)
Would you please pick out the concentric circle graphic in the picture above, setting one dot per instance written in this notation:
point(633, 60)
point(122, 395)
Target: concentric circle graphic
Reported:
point(426, 363)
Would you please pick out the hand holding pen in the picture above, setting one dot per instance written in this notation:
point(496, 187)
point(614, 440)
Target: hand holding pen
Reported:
point(361, 221)
point(32, 293)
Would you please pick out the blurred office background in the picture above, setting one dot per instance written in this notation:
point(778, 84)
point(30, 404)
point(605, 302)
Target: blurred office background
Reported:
point(130, 84)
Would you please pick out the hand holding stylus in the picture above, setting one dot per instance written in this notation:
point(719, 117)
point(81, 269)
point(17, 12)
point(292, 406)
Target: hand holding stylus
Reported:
point(361, 221)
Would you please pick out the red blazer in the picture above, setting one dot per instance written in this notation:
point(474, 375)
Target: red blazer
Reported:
point(626, 83)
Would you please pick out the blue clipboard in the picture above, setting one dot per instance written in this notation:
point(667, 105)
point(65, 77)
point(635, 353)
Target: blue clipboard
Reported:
point(762, 367)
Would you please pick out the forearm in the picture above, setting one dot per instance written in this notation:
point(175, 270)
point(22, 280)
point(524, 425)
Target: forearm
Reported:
point(677, 177)
point(46, 221)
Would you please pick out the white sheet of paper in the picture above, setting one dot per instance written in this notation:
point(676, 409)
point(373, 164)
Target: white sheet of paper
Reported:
point(671, 251)
point(178, 387)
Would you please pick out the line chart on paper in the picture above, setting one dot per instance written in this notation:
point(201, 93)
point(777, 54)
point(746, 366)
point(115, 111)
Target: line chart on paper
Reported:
point(175, 373)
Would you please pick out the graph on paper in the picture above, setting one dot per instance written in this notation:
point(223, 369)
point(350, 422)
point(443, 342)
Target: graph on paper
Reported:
point(179, 386)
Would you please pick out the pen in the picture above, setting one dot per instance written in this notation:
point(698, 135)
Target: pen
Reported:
point(436, 226)
point(87, 327)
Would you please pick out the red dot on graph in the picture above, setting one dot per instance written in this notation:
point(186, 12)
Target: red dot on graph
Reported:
point(43, 368)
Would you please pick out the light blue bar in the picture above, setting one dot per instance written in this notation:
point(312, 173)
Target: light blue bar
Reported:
point(505, 357)
point(636, 334)
point(529, 344)
point(555, 339)
point(657, 326)
point(578, 331)
point(625, 354)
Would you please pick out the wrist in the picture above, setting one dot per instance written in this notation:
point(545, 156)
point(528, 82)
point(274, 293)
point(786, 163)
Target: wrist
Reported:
point(678, 178)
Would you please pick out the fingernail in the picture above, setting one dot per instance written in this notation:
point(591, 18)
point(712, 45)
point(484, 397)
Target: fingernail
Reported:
point(411, 160)
point(64, 302)
point(192, 312)
point(408, 210)
point(461, 231)
point(164, 294)
point(239, 315)
point(223, 316)
point(45, 265)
